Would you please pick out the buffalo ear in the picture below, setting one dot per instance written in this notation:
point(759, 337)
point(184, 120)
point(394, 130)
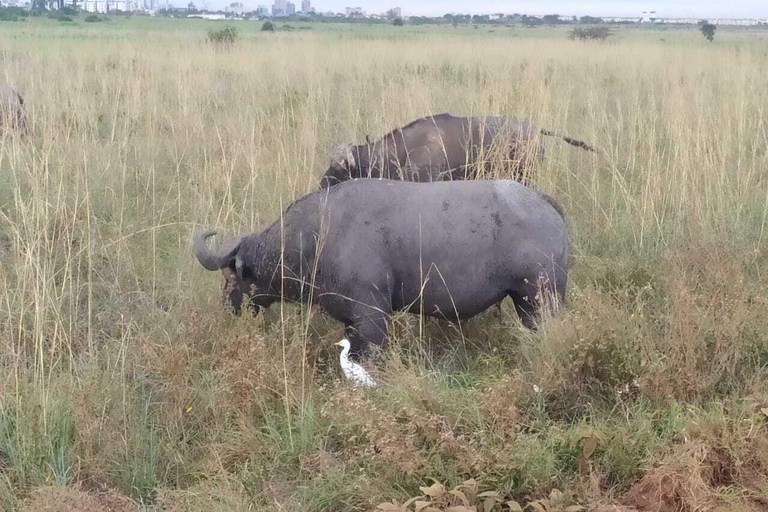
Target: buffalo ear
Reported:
point(235, 267)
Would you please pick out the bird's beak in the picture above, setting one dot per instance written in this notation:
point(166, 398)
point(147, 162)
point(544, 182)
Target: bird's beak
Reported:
point(338, 343)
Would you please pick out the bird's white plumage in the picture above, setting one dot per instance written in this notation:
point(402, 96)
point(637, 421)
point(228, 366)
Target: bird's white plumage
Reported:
point(355, 373)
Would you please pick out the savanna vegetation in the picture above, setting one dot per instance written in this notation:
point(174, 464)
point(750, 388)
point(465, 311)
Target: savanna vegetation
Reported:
point(123, 384)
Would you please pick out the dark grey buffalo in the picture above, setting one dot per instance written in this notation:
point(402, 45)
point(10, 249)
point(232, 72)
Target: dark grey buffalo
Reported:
point(365, 248)
point(12, 114)
point(443, 148)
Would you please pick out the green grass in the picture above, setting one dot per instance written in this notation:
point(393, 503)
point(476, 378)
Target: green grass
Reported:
point(121, 370)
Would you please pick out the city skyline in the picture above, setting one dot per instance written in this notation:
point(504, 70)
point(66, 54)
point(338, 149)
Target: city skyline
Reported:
point(680, 8)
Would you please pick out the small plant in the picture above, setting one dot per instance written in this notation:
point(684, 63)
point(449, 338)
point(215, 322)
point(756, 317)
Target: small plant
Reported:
point(59, 16)
point(223, 38)
point(707, 30)
point(465, 498)
point(94, 19)
point(590, 34)
point(10, 13)
point(398, 22)
point(268, 26)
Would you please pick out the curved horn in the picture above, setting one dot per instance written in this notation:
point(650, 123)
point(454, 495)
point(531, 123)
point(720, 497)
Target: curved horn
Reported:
point(572, 142)
point(208, 259)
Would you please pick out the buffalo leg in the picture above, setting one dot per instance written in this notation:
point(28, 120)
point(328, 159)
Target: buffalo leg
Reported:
point(526, 307)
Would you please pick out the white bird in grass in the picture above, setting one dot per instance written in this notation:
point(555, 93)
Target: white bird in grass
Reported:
point(353, 371)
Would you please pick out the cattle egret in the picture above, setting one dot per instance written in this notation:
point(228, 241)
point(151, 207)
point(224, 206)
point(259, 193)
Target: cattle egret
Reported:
point(355, 373)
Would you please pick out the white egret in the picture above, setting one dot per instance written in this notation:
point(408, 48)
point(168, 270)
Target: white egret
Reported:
point(355, 373)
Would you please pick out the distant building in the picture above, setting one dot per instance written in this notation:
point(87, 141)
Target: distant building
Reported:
point(191, 7)
point(278, 10)
point(649, 17)
point(677, 21)
point(738, 22)
point(622, 19)
point(235, 8)
point(105, 6)
point(397, 12)
point(207, 16)
point(262, 10)
point(290, 9)
point(306, 6)
point(354, 12)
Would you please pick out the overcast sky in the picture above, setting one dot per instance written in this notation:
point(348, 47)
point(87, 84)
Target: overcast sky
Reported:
point(664, 8)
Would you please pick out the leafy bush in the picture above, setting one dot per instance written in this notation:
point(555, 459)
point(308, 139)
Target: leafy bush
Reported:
point(10, 13)
point(94, 19)
point(223, 38)
point(268, 26)
point(59, 16)
point(398, 22)
point(707, 30)
point(590, 34)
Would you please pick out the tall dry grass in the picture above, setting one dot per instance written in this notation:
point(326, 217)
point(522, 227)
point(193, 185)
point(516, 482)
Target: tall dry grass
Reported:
point(120, 370)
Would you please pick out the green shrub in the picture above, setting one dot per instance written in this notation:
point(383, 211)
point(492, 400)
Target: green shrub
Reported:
point(60, 17)
point(590, 34)
point(268, 26)
point(10, 13)
point(94, 19)
point(223, 38)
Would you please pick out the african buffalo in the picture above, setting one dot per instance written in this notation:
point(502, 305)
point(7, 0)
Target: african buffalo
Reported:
point(443, 148)
point(365, 248)
point(11, 110)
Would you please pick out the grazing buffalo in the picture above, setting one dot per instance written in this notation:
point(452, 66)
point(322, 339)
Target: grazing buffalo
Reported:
point(444, 148)
point(365, 248)
point(11, 110)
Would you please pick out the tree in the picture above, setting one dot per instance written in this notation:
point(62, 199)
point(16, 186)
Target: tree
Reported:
point(268, 26)
point(398, 22)
point(391, 14)
point(531, 21)
point(551, 19)
point(590, 20)
point(708, 30)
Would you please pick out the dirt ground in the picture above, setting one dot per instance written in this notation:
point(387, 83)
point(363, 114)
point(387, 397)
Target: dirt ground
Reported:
point(71, 499)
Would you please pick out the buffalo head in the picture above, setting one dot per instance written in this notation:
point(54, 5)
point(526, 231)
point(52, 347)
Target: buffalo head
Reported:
point(239, 284)
point(343, 167)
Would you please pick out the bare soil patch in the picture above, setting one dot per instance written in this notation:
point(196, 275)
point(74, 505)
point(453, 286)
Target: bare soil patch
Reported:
point(68, 499)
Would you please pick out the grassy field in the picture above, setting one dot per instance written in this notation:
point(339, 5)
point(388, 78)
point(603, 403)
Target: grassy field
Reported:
point(121, 377)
